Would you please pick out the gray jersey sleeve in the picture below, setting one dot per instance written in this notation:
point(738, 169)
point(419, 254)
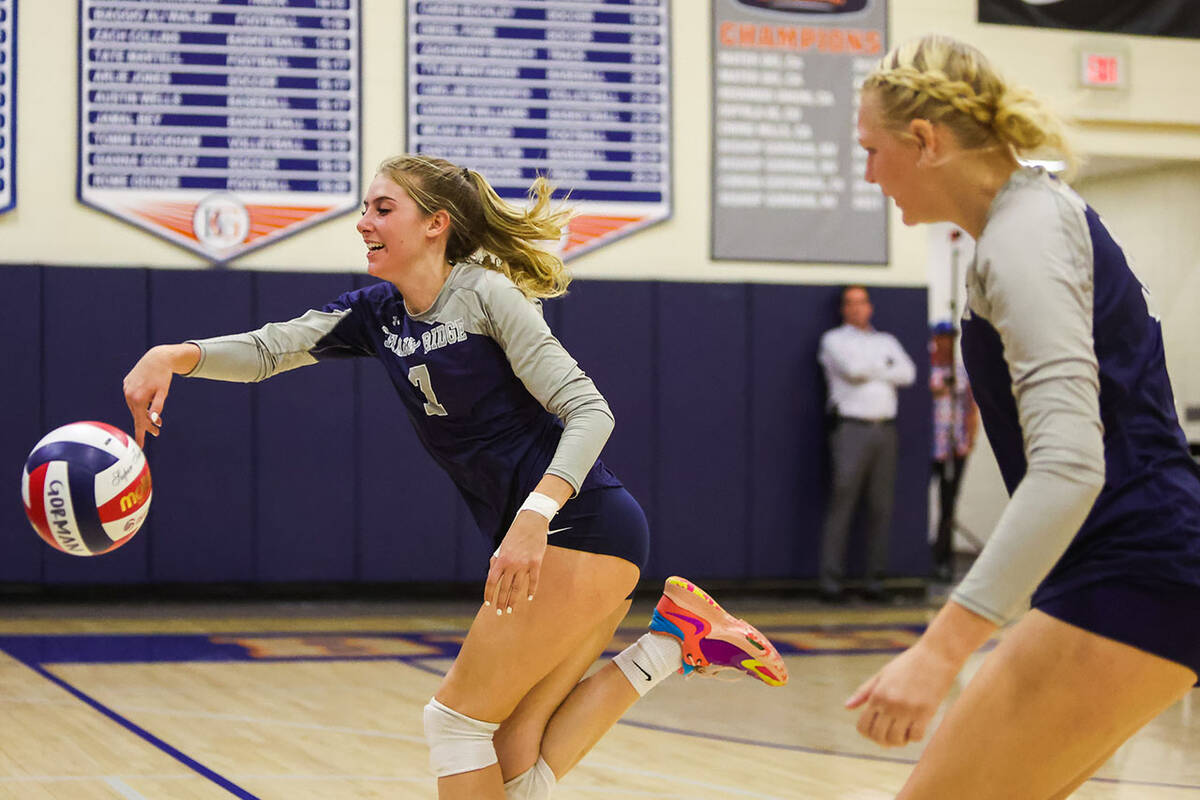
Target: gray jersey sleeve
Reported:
point(552, 376)
point(257, 355)
point(1032, 281)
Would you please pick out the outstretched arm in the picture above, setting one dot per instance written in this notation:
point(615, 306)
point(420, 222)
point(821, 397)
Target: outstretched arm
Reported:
point(241, 357)
point(147, 384)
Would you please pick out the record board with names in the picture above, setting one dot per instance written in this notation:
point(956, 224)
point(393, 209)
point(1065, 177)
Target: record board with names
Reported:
point(575, 91)
point(220, 125)
point(8, 104)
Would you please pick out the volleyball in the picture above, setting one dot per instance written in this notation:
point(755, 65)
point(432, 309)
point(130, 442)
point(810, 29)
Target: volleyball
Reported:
point(86, 488)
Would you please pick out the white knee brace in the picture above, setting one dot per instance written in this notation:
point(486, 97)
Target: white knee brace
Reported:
point(457, 743)
point(535, 783)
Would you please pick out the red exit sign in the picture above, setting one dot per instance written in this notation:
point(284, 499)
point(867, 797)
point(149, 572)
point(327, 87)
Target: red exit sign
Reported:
point(1103, 70)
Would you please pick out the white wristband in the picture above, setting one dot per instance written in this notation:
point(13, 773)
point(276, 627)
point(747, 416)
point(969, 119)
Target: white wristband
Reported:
point(540, 504)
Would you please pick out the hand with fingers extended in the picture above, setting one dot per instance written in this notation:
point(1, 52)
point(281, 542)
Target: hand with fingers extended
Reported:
point(147, 384)
point(899, 701)
point(516, 564)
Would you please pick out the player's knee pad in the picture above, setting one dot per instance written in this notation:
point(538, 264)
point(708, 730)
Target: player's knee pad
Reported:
point(535, 783)
point(457, 743)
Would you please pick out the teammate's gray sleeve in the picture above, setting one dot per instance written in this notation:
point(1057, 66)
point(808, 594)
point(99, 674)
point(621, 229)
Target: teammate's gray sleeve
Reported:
point(1033, 282)
point(255, 356)
point(552, 376)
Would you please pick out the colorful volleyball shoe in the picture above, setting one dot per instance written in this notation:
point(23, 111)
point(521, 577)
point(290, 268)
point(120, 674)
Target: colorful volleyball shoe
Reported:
point(714, 641)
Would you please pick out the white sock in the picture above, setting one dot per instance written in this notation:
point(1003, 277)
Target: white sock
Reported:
point(650, 660)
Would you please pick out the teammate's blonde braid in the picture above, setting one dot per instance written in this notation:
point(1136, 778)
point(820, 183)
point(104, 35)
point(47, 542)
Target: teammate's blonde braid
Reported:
point(975, 102)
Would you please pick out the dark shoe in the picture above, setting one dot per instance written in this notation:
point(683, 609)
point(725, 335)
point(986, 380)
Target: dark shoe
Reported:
point(877, 594)
point(833, 596)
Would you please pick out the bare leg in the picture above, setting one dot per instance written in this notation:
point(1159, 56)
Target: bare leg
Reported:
point(505, 657)
point(1048, 705)
point(585, 716)
point(524, 735)
point(1086, 773)
point(563, 718)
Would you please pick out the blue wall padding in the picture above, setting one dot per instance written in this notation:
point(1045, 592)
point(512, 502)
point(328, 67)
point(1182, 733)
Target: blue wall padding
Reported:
point(894, 313)
point(609, 328)
point(702, 469)
point(305, 465)
point(202, 465)
point(787, 443)
point(316, 475)
point(94, 324)
point(21, 393)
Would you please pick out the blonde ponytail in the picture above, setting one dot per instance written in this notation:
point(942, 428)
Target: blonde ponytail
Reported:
point(486, 230)
point(510, 234)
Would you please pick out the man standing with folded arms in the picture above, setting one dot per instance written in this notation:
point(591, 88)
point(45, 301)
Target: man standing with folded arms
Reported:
point(863, 367)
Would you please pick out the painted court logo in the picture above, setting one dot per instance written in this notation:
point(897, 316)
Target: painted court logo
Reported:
point(221, 221)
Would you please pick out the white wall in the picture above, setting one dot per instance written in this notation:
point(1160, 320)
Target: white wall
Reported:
point(1156, 116)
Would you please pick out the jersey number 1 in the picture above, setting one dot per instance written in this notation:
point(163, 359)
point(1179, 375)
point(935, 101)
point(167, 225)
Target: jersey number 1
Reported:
point(418, 376)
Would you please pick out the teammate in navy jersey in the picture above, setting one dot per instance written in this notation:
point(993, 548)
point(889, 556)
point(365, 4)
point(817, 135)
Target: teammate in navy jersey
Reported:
point(507, 412)
point(1103, 526)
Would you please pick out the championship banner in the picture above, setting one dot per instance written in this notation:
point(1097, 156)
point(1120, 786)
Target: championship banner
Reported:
point(787, 169)
point(220, 125)
point(573, 90)
point(1179, 18)
point(8, 105)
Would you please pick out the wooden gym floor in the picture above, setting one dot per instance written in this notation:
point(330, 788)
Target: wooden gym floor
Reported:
point(323, 700)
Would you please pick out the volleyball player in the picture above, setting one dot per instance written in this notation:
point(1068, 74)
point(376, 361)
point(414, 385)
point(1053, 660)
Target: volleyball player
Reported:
point(506, 411)
point(1103, 526)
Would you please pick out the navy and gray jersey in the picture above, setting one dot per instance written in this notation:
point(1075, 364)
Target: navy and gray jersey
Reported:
point(494, 397)
point(1066, 363)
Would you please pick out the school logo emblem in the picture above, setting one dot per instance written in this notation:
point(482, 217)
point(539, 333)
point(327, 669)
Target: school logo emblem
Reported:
point(221, 221)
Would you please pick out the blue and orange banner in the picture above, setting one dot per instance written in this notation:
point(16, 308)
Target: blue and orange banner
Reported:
point(220, 126)
point(8, 105)
point(578, 92)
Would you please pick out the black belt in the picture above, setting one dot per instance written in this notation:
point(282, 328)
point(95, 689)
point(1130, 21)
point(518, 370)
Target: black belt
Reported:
point(861, 421)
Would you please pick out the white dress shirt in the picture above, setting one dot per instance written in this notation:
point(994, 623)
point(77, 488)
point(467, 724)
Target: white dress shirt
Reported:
point(863, 369)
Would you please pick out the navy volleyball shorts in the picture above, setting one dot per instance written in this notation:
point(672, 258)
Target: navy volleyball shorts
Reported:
point(1160, 618)
point(607, 521)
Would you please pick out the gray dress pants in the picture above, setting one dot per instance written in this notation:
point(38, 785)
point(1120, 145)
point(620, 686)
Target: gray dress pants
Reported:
point(864, 470)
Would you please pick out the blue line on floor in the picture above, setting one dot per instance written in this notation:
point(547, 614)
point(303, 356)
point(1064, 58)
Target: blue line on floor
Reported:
point(187, 761)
